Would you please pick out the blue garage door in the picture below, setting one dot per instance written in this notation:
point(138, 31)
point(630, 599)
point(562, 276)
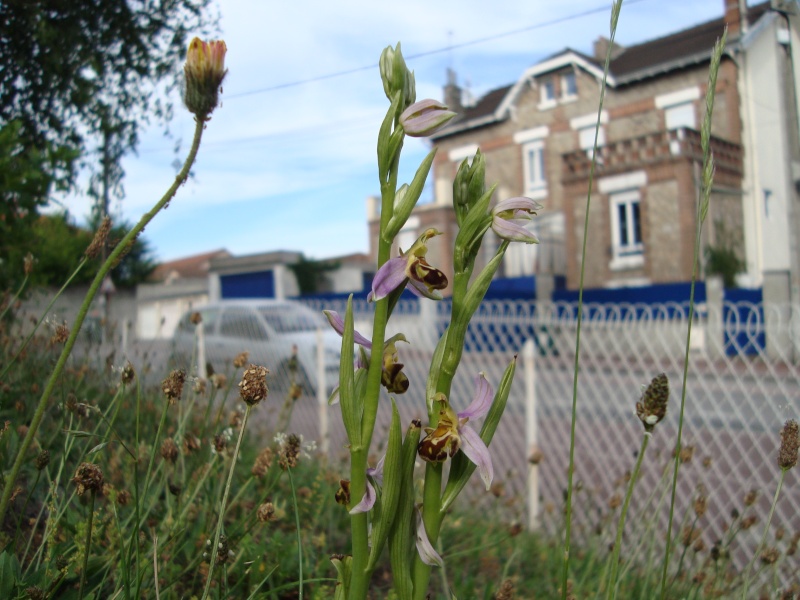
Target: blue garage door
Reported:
point(248, 285)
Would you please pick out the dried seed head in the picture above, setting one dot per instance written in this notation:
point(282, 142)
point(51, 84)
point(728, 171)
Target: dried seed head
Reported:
point(174, 489)
point(169, 450)
point(536, 456)
point(689, 535)
point(200, 386)
point(99, 239)
point(749, 521)
point(770, 556)
point(88, 477)
point(790, 443)
point(289, 451)
point(253, 386)
point(195, 318)
point(43, 460)
point(615, 502)
point(220, 442)
point(265, 512)
point(191, 443)
point(750, 497)
point(123, 497)
point(295, 391)
point(128, 373)
point(241, 359)
point(222, 550)
point(700, 506)
point(219, 381)
point(506, 591)
point(172, 386)
point(262, 463)
point(35, 593)
point(653, 405)
point(27, 263)
point(61, 334)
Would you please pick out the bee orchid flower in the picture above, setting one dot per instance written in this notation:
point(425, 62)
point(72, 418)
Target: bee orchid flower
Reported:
point(507, 214)
point(410, 268)
point(336, 321)
point(453, 434)
point(370, 495)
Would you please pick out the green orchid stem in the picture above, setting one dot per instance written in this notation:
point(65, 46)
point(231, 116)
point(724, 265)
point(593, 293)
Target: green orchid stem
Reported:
point(761, 543)
point(612, 584)
point(110, 262)
point(223, 504)
point(432, 518)
point(88, 545)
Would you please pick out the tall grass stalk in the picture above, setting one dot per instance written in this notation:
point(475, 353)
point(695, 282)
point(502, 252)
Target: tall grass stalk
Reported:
point(612, 583)
point(615, 11)
point(223, 504)
point(702, 211)
point(763, 540)
point(299, 538)
point(110, 262)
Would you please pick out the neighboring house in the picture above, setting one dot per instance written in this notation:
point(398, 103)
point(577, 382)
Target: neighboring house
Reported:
point(264, 275)
point(176, 286)
point(538, 133)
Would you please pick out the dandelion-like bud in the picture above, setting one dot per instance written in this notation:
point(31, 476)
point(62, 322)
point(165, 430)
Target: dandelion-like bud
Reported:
point(241, 359)
point(88, 477)
point(265, 512)
point(99, 239)
point(172, 386)
point(653, 405)
point(42, 460)
point(169, 450)
point(790, 443)
point(204, 71)
point(253, 386)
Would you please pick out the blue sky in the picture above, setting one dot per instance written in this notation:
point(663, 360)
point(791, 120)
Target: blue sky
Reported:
point(290, 168)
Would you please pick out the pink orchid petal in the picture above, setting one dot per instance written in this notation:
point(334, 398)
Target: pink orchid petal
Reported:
point(515, 204)
point(388, 278)
point(482, 402)
point(367, 502)
point(377, 472)
point(472, 445)
point(337, 322)
point(508, 230)
point(427, 553)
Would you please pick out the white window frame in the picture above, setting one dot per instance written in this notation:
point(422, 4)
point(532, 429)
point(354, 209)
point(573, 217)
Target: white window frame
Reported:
point(678, 107)
point(534, 169)
point(631, 254)
point(566, 95)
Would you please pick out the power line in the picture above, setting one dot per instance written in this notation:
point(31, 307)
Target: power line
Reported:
point(483, 40)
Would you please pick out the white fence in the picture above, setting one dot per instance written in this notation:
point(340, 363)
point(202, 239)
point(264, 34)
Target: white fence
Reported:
point(743, 384)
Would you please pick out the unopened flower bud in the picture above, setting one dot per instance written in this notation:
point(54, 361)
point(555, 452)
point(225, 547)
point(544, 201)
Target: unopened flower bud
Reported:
point(425, 118)
point(204, 71)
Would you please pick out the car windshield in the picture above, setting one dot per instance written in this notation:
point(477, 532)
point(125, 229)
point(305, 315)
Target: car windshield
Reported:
point(291, 318)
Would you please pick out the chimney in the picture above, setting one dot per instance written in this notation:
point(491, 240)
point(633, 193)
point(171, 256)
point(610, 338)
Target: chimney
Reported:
point(735, 16)
point(452, 93)
point(601, 48)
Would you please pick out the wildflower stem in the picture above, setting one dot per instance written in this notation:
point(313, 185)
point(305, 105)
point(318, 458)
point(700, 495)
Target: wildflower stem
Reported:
point(612, 583)
point(615, 11)
point(297, 525)
point(754, 558)
point(106, 267)
point(223, 504)
point(88, 544)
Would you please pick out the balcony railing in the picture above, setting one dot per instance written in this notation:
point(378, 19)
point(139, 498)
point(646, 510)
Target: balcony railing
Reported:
point(650, 149)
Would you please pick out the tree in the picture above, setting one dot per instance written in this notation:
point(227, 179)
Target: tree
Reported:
point(76, 78)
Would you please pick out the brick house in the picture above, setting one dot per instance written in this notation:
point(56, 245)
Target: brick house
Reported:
point(538, 133)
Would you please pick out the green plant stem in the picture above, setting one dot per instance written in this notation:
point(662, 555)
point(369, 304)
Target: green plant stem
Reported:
point(13, 300)
point(110, 262)
point(223, 504)
point(612, 584)
point(761, 543)
point(88, 544)
point(297, 525)
point(13, 543)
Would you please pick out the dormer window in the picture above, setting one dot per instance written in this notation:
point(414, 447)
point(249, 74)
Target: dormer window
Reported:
point(547, 93)
point(569, 86)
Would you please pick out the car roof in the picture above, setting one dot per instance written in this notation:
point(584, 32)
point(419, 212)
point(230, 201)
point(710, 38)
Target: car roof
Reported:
point(250, 302)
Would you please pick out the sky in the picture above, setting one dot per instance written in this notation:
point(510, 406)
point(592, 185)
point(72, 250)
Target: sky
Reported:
point(288, 159)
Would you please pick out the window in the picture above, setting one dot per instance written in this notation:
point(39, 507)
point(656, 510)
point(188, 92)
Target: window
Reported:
point(533, 166)
point(626, 232)
point(680, 115)
point(586, 138)
point(569, 86)
point(547, 93)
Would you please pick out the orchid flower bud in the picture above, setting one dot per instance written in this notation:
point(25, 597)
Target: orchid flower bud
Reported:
point(425, 118)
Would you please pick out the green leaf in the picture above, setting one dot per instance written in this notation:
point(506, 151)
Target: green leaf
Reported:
point(408, 199)
point(97, 448)
point(390, 494)
point(462, 468)
point(9, 572)
point(343, 565)
point(401, 534)
point(351, 415)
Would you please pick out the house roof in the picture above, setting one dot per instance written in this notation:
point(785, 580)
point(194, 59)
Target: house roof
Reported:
point(189, 267)
point(648, 59)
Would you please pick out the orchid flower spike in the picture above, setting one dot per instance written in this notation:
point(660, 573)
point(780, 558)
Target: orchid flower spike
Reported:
point(507, 214)
point(453, 434)
point(412, 268)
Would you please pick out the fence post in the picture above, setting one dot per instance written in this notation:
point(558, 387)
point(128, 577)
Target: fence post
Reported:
point(715, 327)
point(322, 396)
point(531, 432)
point(201, 351)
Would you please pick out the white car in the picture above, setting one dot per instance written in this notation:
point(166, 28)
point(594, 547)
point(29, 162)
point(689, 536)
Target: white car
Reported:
point(267, 329)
